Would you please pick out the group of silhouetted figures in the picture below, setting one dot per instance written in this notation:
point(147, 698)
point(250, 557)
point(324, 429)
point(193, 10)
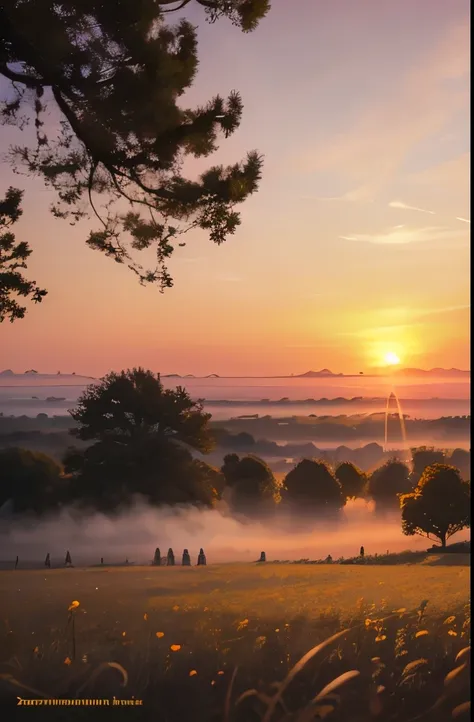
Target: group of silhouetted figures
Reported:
point(47, 561)
point(169, 561)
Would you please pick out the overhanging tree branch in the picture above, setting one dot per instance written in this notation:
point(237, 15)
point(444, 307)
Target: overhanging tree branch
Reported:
point(117, 82)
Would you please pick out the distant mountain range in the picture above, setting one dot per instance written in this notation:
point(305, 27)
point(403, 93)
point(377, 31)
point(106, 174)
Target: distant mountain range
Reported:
point(9, 375)
point(33, 376)
point(317, 374)
point(437, 372)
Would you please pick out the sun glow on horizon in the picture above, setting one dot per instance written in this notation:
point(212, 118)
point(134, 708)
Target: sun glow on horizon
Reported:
point(391, 359)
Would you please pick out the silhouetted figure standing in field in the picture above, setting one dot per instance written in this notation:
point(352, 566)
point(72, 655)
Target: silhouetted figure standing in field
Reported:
point(157, 558)
point(201, 559)
point(186, 561)
point(16, 563)
point(68, 560)
point(102, 560)
point(170, 558)
point(362, 552)
point(263, 557)
point(47, 561)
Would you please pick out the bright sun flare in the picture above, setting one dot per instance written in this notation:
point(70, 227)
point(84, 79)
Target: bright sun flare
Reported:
point(391, 358)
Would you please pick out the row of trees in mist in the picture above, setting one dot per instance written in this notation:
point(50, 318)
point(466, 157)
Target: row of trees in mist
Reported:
point(142, 442)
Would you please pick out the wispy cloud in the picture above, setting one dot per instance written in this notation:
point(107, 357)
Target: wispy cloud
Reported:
point(358, 195)
point(374, 148)
point(464, 220)
point(397, 235)
point(423, 315)
point(408, 319)
point(406, 207)
point(372, 331)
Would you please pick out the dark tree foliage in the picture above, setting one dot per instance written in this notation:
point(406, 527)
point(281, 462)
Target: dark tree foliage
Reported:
point(422, 457)
point(253, 485)
point(229, 469)
point(116, 77)
point(439, 506)
point(351, 479)
point(388, 482)
point(461, 459)
point(13, 257)
point(142, 436)
point(312, 484)
point(29, 480)
point(212, 478)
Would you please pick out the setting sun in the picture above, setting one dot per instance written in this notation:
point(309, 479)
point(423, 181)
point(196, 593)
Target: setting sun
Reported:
point(391, 358)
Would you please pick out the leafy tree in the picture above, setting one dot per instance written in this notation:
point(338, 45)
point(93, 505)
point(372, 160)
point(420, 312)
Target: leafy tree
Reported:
point(312, 484)
point(116, 80)
point(213, 480)
point(230, 469)
point(253, 485)
point(461, 459)
point(387, 482)
point(422, 457)
point(143, 435)
point(29, 480)
point(351, 479)
point(439, 506)
point(13, 257)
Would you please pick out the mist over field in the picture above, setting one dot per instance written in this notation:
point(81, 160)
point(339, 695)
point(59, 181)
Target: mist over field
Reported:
point(134, 535)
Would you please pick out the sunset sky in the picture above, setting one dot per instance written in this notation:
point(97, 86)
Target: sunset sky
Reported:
point(356, 245)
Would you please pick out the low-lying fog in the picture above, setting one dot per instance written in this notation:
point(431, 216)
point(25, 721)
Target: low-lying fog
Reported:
point(135, 534)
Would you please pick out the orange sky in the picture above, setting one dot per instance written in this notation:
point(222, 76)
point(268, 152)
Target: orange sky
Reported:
point(357, 243)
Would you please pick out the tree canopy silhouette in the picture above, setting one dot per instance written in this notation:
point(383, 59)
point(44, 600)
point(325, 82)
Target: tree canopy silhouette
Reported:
point(115, 80)
point(423, 456)
point(461, 459)
point(143, 435)
point(311, 483)
point(29, 480)
point(13, 257)
point(387, 482)
point(439, 506)
point(351, 479)
point(252, 483)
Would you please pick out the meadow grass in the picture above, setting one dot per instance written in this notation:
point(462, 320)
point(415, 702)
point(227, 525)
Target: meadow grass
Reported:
point(216, 644)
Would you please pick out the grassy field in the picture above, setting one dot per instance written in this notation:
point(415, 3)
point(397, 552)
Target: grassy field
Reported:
point(191, 642)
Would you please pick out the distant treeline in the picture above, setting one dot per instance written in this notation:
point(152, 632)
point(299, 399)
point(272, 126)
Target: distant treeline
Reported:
point(328, 428)
point(346, 428)
point(337, 401)
point(136, 439)
point(51, 435)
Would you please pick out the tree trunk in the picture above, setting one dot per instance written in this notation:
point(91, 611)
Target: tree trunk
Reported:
point(443, 541)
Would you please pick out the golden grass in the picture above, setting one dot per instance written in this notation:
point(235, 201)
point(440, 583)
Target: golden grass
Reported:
point(178, 635)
